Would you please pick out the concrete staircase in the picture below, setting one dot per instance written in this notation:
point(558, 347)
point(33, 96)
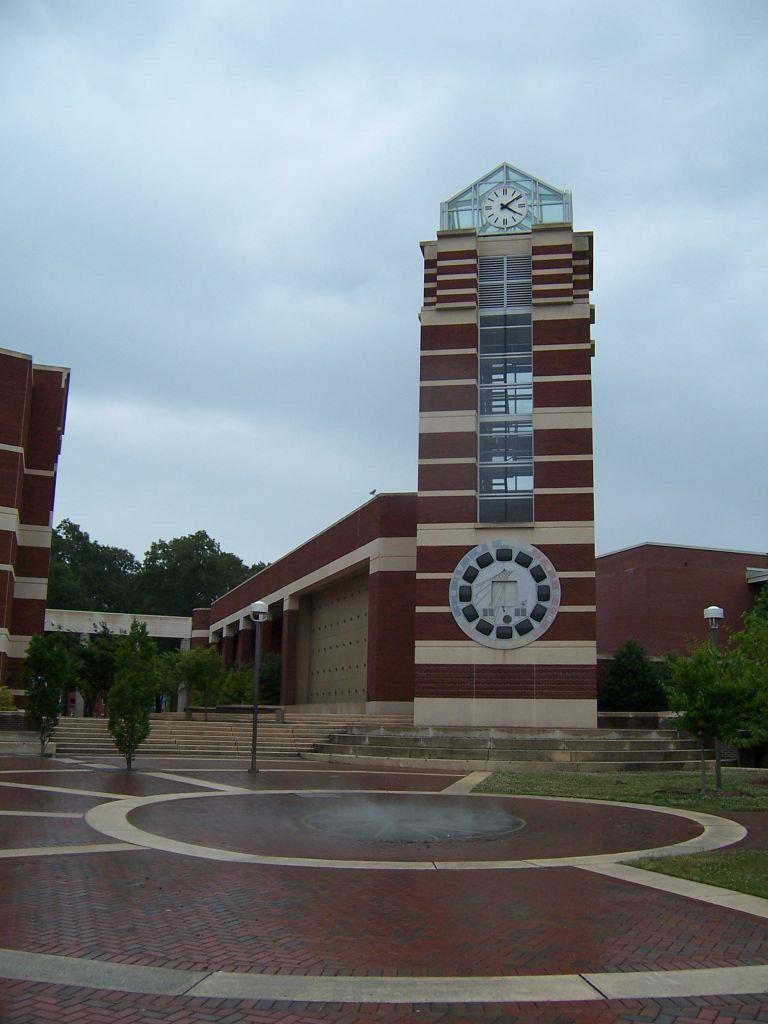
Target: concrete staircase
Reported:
point(222, 736)
point(524, 750)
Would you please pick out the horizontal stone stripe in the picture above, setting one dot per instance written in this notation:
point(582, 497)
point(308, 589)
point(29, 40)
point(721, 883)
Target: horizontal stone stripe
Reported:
point(447, 462)
point(448, 367)
point(448, 477)
point(448, 398)
point(449, 446)
point(563, 474)
point(561, 394)
point(462, 421)
point(547, 293)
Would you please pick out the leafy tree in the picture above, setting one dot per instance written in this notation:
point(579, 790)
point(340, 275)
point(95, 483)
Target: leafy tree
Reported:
point(188, 572)
point(86, 575)
point(237, 687)
point(99, 657)
point(51, 670)
point(760, 607)
point(718, 694)
point(7, 703)
point(201, 670)
point(633, 682)
point(269, 679)
point(131, 697)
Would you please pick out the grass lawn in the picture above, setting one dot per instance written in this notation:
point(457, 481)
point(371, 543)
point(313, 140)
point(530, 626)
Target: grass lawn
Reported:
point(742, 790)
point(742, 870)
point(739, 870)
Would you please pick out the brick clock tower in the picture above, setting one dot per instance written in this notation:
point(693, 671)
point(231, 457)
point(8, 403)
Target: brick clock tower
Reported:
point(505, 606)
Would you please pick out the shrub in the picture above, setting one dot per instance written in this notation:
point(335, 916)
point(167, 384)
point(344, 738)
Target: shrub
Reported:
point(633, 682)
point(7, 703)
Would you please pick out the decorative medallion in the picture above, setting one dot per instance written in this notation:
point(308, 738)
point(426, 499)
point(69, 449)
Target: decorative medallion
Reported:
point(504, 595)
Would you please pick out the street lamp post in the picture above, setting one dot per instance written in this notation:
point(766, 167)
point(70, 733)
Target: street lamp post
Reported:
point(259, 612)
point(713, 616)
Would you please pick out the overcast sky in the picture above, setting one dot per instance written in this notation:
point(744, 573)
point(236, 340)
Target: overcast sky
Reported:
point(211, 212)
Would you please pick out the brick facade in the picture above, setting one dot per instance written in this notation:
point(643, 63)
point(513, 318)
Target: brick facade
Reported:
point(656, 594)
point(33, 402)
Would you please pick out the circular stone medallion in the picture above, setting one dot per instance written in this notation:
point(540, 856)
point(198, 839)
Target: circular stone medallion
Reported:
point(504, 595)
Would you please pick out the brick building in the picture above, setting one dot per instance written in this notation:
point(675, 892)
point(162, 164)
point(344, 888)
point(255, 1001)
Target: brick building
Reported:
point(656, 594)
point(474, 598)
point(33, 402)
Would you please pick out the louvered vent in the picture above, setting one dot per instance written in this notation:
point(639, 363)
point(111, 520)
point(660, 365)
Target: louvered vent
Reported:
point(505, 282)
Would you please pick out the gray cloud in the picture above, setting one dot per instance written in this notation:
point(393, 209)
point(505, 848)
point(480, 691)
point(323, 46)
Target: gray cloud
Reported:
point(212, 213)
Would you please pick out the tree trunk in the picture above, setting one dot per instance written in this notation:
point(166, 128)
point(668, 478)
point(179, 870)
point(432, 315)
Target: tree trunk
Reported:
point(128, 761)
point(703, 767)
point(718, 764)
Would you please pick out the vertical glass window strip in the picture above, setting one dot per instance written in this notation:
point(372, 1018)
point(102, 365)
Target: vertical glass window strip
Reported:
point(505, 383)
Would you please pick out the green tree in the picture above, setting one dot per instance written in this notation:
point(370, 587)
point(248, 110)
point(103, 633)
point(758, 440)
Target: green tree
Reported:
point(51, 669)
point(716, 694)
point(633, 682)
point(131, 697)
point(237, 687)
point(86, 575)
point(99, 657)
point(188, 572)
point(269, 679)
point(201, 671)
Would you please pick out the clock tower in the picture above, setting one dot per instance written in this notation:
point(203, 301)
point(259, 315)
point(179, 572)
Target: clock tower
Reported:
point(505, 581)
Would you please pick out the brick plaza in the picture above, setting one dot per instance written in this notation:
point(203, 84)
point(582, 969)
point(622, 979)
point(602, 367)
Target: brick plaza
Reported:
point(218, 900)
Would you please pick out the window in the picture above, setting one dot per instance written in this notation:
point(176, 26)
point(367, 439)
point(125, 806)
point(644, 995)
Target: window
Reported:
point(505, 383)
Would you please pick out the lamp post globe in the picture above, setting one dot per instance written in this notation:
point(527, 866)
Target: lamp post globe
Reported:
point(259, 611)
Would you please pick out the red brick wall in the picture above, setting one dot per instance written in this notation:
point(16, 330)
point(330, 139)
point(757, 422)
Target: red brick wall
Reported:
point(656, 594)
point(387, 515)
point(511, 681)
point(390, 635)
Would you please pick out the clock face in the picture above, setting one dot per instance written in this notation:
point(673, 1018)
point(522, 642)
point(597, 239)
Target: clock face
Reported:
point(504, 595)
point(504, 207)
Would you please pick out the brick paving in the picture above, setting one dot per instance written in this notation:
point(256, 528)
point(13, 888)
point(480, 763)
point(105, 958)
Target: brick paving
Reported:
point(161, 910)
point(552, 828)
point(152, 908)
point(29, 1003)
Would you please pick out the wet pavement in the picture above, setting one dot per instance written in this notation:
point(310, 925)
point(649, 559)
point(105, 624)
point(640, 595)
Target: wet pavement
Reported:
point(116, 903)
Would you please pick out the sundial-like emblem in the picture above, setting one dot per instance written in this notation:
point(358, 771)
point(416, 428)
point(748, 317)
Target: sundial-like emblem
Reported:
point(504, 595)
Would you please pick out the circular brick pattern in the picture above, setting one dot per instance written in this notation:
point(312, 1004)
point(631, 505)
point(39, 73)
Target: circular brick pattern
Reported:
point(281, 825)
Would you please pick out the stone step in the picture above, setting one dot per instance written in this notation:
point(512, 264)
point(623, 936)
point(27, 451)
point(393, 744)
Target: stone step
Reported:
point(508, 754)
point(516, 743)
point(470, 765)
